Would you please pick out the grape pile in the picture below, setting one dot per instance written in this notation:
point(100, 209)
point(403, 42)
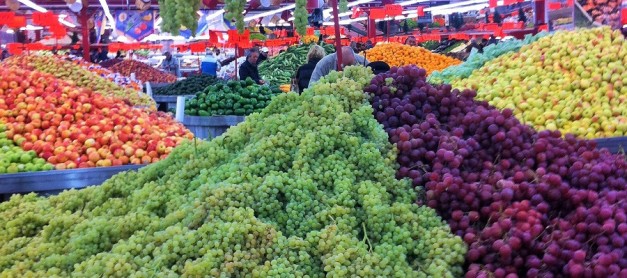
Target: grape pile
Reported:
point(528, 204)
point(306, 187)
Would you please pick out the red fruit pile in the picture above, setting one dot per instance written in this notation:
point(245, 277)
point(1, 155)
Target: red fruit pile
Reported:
point(72, 127)
point(143, 72)
point(528, 204)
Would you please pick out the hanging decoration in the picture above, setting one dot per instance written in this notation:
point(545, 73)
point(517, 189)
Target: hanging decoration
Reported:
point(343, 6)
point(300, 17)
point(179, 15)
point(234, 12)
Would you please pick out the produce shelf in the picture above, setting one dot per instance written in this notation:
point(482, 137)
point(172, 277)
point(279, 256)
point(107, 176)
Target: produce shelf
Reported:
point(210, 127)
point(614, 145)
point(58, 180)
point(165, 102)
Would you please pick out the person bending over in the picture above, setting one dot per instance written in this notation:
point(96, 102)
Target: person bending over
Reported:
point(249, 68)
point(329, 63)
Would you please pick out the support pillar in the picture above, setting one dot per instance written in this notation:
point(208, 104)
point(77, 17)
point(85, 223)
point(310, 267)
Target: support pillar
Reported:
point(83, 18)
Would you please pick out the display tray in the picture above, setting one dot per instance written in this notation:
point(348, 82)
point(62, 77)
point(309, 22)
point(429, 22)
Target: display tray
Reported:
point(58, 180)
point(614, 144)
point(210, 127)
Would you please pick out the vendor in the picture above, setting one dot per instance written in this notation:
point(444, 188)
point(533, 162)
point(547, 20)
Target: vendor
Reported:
point(411, 41)
point(329, 63)
point(263, 55)
point(303, 74)
point(170, 64)
point(249, 67)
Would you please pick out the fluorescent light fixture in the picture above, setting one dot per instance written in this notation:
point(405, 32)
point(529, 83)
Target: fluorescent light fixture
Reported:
point(67, 23)
point(38, 8)
point(31, 28)
point(33, 6)
point(411, 2)
point(10, 31)
point(460, 4)
point(159, 20)
point(285, 8)
point(213, 15)
point(346, 21)
point(106, 10)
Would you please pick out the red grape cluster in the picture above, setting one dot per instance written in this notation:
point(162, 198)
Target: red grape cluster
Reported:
point(528, 203)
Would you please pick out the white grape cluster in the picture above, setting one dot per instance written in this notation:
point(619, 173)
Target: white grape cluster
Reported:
point(306, 187)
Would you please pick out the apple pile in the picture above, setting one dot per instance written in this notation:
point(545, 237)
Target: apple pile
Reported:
point(13, 159)
point(73, 127)
point(572, 81)
point(75, 74)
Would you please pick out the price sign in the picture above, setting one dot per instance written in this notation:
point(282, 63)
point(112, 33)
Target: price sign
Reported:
point(15, 48)
point(624, 16)
point(420, 11)
point(310, 31)
point(18, 22)
point(393, 9)
point(233, 36)
point(493, 3)
point(44, 19)
point(555, 6)
point(213, 37)
point(509, 2)
point(377, 13)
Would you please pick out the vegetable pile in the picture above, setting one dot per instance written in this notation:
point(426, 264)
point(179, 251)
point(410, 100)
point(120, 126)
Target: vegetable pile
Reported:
point(189, 86)
point(477, 60)
point(238, 98)
point(68, 71)
point(14, 159)
point(528, 204)
point(279, 195)
point(571, 81)
point(143, 72)
point(281, 68)
point(396, 54)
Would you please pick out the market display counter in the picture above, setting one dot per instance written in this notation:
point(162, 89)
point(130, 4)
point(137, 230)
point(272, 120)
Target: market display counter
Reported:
point(614, 145)
point(50, 182)
point(165, 102)
point(210, 127)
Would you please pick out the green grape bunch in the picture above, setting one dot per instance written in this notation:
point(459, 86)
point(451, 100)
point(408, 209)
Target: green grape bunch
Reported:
point(300, 17)
point(304, 188)
point(179, 14)
point(343, 6)
point(234, 12)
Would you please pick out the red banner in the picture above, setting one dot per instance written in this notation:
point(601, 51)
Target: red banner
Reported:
point(198, 47)
point(624, 16)
point(420, 11)
point(233, 36)
point(493, 3)
point(393, 9)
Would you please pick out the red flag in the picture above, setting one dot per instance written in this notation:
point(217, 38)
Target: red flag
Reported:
point(420, 11)
point(356, 12)
point(493, 3)
point(393, 9)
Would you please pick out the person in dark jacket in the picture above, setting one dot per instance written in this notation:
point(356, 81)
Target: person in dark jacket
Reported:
point(303, 74)
point(249, 68)
point(378, 67)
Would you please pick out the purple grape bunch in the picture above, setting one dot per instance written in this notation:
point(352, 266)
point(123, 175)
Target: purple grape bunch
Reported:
point(527, 203)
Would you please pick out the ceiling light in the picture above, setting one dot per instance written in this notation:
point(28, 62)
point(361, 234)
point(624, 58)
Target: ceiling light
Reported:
point(285, 8)
point(106, 10)
point(33, 6)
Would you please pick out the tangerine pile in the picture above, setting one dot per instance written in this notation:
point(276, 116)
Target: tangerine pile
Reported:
point(396, 54)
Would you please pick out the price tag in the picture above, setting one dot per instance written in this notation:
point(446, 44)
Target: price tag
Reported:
point(233, 36)
point(244, 37)
point(44, 19)
point(555, 6)
point(6, 17)
point(377, 13)
point(509, 2)
point(310, 31)
point(393, 9)
point(420, 11)
point(18, 22)
point(15, 48)
point(624, 16)
point(213, 37)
